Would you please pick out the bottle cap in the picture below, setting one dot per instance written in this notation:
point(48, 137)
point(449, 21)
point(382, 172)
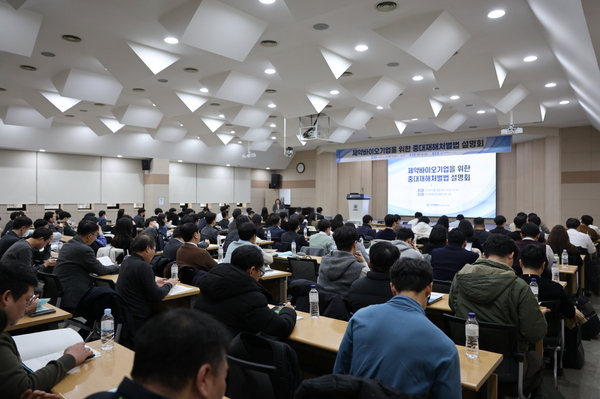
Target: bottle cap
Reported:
point(174, 262)
point(107, 311)
point(313, 286)
point(472, 315)
point(533, 280)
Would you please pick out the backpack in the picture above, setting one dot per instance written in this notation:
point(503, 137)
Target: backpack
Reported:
point(257, 349)
point(574, 355)
point(592, 328)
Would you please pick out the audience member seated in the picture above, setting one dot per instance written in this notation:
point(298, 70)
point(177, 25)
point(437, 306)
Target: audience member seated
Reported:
point(491, 289)
point(247, 236)
point(138, 220)
point(374, 288)
point(137, 284)
point(170, 249)
point(323, 238)
point(535, 219)
point(558, 240)
point(580, 240)
point(479, 230)
point(123, 236)
point(542, 225)
point(337, 221)
point(151, 228)
point(529, 236)
point(377, 334)
point(222, 209)
point(443, 221)
point(178, 354)
point(447, 261)
point(102, 221)
point(189, 254)
point(224, 222)
point(75, 263)
point(24, 250)
point(391, 227)
point(422, 229)
point(16, 294)
point(20, 227)
point(274, 229)
point(500, 223)
point(232, 295)
point(296, 214)
point(533, 262)
point(585, 227)
point(341, 267)
point(466, 227)
point(260, 231)
point(284, 221)
point(50, 217)
point(312, 220)
point(210, 232)
point(459, 218)
point(236, 212)
point(518, 223)
point(292, 235)
point(438, 238)
point(366, 230)
point(413, 222)
point(234, 235)
point(63, 219)
point(512, 226)
point(405, 241)
point(9, 225)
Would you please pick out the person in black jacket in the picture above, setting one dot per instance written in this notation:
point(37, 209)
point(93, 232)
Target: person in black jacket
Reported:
point(137, 285)
point(292, 235)
point(533, 262)
point(232, 295)
point(375, 287)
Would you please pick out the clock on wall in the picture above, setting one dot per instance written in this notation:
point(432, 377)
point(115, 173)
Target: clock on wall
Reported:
point(300, 167)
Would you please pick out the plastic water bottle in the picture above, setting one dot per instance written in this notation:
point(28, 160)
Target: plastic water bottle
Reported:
point(294, 247)
point(268, 235)
point(534, 288)
point(564, 260)
point(220, 252)
point(555, 272)
point(361, 240)
point(107, 330)
point(174, 270)
point(472, 336)
point(313, 298)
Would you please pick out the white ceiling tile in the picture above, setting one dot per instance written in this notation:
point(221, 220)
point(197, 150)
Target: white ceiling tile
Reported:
point(351, 117)
point(524, 112)
point(168, 133)
point(341, 134)
point(407, 107)
point(235, 86)
point(138, 116)
point(173, 103)
point(449, 120)
point(156, 60)
point(256, 134)
point(18, 30)
point(46, 103)
point(385, 127)
point(471, 72)
point(506, 98)
point(247, 116)
point(379, 90)
point(261, 145)
point(24, 116)
point(87, 86)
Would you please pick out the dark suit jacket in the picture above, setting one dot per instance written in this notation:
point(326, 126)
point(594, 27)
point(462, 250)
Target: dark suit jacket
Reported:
point(7, 241)
point(515, 235)
point(549, 291)
point(370, 290)
point(366, 231)
point(500, 230)
point(448, 260)
point(386, 234)
point(288, 236)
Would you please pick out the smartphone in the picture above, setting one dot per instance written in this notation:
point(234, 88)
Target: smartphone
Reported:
point(42, 312)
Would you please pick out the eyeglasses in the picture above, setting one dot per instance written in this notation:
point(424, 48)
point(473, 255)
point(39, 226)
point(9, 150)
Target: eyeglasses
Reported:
point(262, 271)
point(30, 301)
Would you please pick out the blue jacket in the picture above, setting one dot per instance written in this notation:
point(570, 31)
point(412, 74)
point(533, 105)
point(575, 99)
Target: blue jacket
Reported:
point(396, 343)
point(448, 260)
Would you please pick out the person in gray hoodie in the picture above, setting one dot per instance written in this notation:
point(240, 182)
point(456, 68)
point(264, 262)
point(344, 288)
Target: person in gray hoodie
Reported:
point(341, 267)
point(405, 243)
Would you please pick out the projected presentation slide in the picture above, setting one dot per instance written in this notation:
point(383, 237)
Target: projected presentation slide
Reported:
point(443, 185)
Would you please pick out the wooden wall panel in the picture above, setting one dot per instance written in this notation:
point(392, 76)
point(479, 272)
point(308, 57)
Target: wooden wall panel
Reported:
point(506, 179)
point(379, 198)
point(326, 185)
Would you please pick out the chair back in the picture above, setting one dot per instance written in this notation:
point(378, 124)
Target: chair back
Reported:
point(187, 274)
point(247, 380)
point(441, 286)
point(314, 251)
point(282, 246)
point(52, 288)
point(112, 252)
point(498, 338)
point(553, 318)
point(307, 269)
point(102, 282)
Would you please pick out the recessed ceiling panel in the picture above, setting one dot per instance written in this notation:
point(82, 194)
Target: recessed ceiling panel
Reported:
point(354, 118)
point(156, 60)
point(341, 134)
point(431, 38)
point(471, 73)
point(173, 103)
point(504, 99)
point(261, 145)
point(138, 116)
point(385, 127)
point(46, 103)
point(235, 86)
point(88, 86)
point(215, 27)
point(168, 133)
point(525, 112)
point(256, 134)
point(405, 107)
point(379, 90)
point(294, 103)
point(449, 120)
point(247, 116)
point(24, 116)
point(18, 30)
point(99, 127)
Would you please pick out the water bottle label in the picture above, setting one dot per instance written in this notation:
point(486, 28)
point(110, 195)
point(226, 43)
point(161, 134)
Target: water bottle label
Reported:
point(107, 325)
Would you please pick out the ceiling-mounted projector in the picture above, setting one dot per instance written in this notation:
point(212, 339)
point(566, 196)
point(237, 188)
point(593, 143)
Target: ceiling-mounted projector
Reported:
point(511, 129)
point(288, 152)
point(249, 155)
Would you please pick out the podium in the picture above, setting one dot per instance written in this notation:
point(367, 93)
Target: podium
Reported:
point(358, 206)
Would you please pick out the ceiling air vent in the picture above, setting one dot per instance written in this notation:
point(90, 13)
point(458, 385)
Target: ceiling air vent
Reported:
point(386, 6)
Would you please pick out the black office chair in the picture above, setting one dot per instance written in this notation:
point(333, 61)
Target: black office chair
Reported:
point(52, 288)
point(314, 251)
point(498, 338)
point(187, 274)
point(442, 286)
point(307, 269)
point(102, 282)
point(282, 246)
point(91, 306)
point(247, 380)
point(555, 336)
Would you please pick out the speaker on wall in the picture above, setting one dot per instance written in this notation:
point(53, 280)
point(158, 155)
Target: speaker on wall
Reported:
point(275, 180)
point(146, 164)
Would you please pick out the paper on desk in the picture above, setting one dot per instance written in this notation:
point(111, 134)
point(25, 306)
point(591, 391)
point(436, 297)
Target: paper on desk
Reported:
point(283, 254)
point(434, 297)
point(178, 289)
point(106, 261)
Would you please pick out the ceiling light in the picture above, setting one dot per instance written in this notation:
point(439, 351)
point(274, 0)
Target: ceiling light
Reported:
point(240, 142)
point(269, 71)
point(267, 168)
point(271, 105)
point(71, 38)
point(138, 89)
point(273, 138)
point(267, 1)
point(414, 119)
point(180, 160)
point(181, 124)
point(119, 156)
point(221, 116)
point(233, 132)
point(41, 150)
point(481, 111)
point(334, 92)
point(320, 26)
point(171, 40)
point(496, 14)
point(198, 137)
point(392, 64)
point(270, 91)
point(215, 104)
point(454, 97)
point(47, 54)
point(163, 80)
point(273, 125)
point(551, 84)
point(269, 43)
point(154, 105)
point(530, 58)
point(564, 102)
point(361, 47)
point(379, 107)
point(28, 68)
point(417, 78)
point(386, 6)
point(227, 164)
point(190, 70)
point(204, 90)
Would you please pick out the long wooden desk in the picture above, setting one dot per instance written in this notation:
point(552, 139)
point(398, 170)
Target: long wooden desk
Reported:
point(98, 374)
point(277, 277)
point(27, 321)
point(317, 342)
point(570, 275)
point(282, 263)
